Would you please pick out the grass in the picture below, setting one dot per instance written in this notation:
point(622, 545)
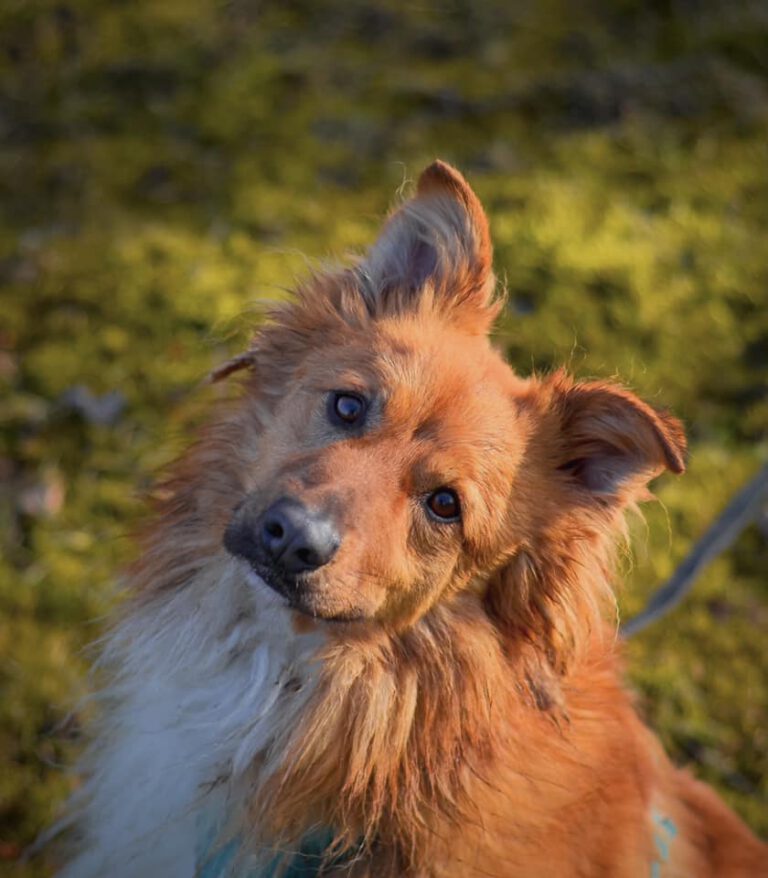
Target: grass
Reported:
point(166, 167)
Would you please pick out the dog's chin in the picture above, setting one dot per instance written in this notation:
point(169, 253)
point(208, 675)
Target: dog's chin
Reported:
point(299, 596)
point(261, 586)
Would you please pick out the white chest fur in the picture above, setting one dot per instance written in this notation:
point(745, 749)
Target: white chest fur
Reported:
point(201, 685)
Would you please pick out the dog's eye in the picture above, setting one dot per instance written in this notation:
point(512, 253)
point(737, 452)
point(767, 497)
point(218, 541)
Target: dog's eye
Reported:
point(347, 409)
point(443, 504)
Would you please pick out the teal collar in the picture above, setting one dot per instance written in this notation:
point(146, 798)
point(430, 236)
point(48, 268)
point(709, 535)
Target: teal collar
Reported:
point(664, 832)
point(218, 860)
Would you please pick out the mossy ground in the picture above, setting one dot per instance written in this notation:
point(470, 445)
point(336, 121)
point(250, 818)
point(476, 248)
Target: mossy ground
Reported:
point(165, 167)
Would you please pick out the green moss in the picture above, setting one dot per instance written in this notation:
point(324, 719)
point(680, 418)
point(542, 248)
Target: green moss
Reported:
point(165, 167)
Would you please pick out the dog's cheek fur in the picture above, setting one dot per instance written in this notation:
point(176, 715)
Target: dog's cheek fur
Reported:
point(593, 449)
point(194, 503)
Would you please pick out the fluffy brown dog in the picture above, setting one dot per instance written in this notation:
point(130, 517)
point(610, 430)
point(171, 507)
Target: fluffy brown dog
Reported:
point(373, 605)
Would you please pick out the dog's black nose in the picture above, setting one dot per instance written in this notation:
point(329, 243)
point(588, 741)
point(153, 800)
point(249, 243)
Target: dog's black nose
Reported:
point(296, 538)
point(288, 536)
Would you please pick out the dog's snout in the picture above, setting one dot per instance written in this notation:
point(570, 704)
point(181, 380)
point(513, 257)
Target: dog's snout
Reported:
point(288, 536)
point(297, 538)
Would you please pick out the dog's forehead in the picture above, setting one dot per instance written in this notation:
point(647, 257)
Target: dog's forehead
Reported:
point(442, 383)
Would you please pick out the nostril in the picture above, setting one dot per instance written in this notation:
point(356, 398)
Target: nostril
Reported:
point(275, 535)
point(307, 556)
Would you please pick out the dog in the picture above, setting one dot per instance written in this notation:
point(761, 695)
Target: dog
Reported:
point(368, 633)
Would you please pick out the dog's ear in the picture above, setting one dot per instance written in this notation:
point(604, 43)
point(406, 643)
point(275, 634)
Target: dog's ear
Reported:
point(438, 239)
point(610, 443)
point(235, 364)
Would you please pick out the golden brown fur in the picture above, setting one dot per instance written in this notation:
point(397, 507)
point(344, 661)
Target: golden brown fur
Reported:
point(468, 716)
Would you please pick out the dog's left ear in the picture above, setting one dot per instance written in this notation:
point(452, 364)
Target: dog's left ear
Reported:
point(611, 444)
point(438, 239)
point(235, 364)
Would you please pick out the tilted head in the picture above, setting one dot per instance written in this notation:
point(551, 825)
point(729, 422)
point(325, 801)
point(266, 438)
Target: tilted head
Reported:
point(384, 458)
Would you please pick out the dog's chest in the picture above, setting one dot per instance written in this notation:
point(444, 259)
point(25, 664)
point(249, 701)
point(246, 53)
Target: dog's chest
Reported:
point(183, 734)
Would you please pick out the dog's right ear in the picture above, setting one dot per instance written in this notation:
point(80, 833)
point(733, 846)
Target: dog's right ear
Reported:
point(437, 244)
point(610, 443)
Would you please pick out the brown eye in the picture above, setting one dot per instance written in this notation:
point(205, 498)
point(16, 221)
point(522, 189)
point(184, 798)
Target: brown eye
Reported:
point(346, 409)
point(444, 504)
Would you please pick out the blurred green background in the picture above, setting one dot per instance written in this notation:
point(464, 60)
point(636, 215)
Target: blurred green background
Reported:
point(166, 165)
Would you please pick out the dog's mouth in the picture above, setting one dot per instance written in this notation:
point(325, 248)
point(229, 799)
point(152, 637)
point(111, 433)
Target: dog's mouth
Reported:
point(302, 593)
point(290, 588)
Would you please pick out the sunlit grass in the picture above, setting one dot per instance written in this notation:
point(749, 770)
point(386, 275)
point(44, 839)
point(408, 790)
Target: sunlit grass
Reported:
point(170, 167)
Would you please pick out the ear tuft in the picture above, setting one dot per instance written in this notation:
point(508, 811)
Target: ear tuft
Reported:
point(440, 178)
point(611, 442)
point(236, 364)
point(672, 435)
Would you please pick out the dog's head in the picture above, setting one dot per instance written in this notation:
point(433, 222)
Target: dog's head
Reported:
point(394, 459)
